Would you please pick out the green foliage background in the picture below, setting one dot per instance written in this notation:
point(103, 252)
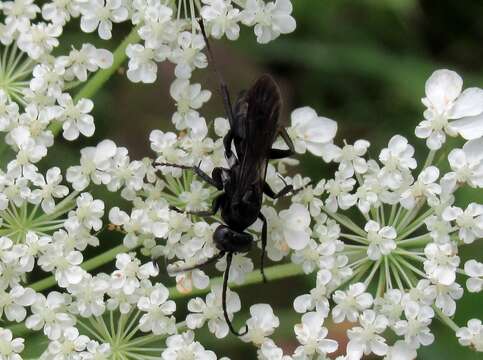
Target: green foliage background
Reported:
point(361, 62)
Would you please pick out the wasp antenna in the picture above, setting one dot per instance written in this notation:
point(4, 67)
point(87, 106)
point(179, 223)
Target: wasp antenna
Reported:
point(207, 262)
point(223, 297)
point(225, 94)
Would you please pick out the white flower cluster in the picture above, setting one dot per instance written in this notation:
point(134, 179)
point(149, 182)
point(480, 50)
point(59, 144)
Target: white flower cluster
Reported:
point(46, 226)
point(391, 275)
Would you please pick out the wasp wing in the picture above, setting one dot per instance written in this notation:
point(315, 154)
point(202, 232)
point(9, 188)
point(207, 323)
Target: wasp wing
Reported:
point(261, 127)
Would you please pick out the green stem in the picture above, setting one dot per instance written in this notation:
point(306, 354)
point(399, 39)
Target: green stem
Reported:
point(90, 264)
point(416, 224)
point(418, 241)
point(101, 77)
point(446, 319)
point(429, 159)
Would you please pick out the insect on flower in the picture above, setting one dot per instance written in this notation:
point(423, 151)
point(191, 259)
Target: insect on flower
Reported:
point(254, 127)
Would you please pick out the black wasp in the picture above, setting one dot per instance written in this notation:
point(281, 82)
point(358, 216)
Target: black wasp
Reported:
point(254, 127)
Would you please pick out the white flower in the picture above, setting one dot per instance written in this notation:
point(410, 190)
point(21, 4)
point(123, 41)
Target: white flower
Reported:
point(339, 189)
point(261, 324)
point(47, 79)
point(189, 98)
point(94, 165)
point(270, 351)
point(311, 335)
point(165, 144)
point(89, 295)
point(474, 270)
point(9, 111)
point(101, 14)
point(472, 335)
point(312, 133)
point(307, 194)
point(270, 19)
point(317, 299)
point(397, 159)
point(10, 348)
point(75, 118)
point(130, 272)
point(469, 221)
point(400, 350)
point(49, 188)
point(88, 213)
point(64, 263)
point(467, 164)
point(445, 101)
point(308, 256)
point(182, 346)
point(13, 303)
point(350, 302)
point(39, 39)
point(425, 187)
point(158, 310)
point(441, 263)
point(212, 311)
point(240, 266)
point(159, 28)
point(350, 157)
point(66, 346)
point(142, 66)
point(80, 62)
point(416, 328)
point(296, 223)
point(364, 340)
point(446, 296)
point(60, 11)
point(50, 314)
point(96, 351)
point(188, 54)
point(381, 240)
point(390, 305)
point(222, 18)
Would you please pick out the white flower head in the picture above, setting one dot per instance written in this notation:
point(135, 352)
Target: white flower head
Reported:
point(100, 14)
point(312, 133)
point(471, 335)
point(365, 339)
point(270, 19)
point(222, 18)
point(474, 270)
point(445, 101)
point(351, 302)
point(211, 311)
point(261, 324)
point(312, 337)
point(381, 240)
point(296, 222)
point(159, 309)
point(10, 347)
point(441, 262)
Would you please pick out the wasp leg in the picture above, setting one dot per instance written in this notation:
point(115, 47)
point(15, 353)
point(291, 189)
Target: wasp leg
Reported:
point(264, 245)
point(229, 257)
point(276, 154)
point(207, 262)
point(214, 181)
point(203, 213)
point(272, 194)
point(287, 189)
point(279, 153)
